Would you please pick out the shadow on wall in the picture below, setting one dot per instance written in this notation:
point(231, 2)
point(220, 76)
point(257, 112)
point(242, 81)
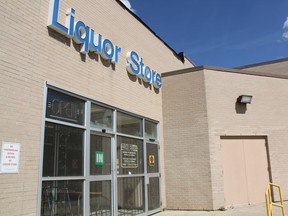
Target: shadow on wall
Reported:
point(240, 108)
point(67, 42)
point(149, 86)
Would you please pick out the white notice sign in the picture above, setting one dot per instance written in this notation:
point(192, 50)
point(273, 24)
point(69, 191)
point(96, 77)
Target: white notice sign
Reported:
point(10, 155)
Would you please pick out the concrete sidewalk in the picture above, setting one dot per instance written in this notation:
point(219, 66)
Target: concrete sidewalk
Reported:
point(247, 210)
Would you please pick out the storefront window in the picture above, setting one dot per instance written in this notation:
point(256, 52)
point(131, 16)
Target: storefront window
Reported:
point(63, 151)
point(78, 155)
point(128, 124)
point(64, 108)
point(151, 130)
point(101, 118)
point(62, 198)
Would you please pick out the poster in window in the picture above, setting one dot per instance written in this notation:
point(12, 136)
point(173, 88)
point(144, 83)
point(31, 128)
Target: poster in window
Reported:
point(129, 155)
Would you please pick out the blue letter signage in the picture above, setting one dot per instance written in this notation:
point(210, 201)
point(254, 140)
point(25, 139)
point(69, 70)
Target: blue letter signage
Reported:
point(82, 34)
point(135, 66)
point(91, 42)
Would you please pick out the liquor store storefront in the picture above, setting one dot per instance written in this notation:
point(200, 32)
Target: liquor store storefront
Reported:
point(84, 116)
point(81, 104)
point(97, 159)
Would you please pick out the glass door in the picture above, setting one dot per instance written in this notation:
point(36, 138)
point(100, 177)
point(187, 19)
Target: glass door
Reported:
point(153, 184)
point(100, 192)
point(130, 176)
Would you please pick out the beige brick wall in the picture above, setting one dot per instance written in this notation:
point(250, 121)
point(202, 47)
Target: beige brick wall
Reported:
point(266, 115)
point(31, 55)
point(187, 154)
point(200, 107)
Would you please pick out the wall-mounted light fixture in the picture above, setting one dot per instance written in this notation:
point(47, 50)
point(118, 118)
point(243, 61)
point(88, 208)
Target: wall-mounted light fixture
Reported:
point(244, 99)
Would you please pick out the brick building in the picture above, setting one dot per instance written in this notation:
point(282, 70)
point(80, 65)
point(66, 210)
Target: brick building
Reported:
point(100, 116)
point(226, 151)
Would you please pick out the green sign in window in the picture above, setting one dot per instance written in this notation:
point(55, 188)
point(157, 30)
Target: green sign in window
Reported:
point(99, 158)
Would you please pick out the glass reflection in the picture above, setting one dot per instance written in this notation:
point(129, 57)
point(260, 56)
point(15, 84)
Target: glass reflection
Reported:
point(100, 198)
point(127, 124)
point(130, 196)
point(151, 130)
point(63, 151)
point(101, 118)
point(62, 198)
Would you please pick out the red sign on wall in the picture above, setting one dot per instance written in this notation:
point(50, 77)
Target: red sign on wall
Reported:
point(10, 155)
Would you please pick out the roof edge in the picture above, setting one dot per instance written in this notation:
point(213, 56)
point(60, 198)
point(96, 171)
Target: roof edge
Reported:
point(262, 63)
point(219, 69)
point(180, 56)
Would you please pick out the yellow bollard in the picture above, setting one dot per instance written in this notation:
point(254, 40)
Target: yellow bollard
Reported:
point(270, 203)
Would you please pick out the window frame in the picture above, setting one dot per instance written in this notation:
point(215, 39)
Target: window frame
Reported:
point(88, 130)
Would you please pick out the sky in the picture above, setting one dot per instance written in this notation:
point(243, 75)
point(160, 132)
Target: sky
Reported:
point(223, 33)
